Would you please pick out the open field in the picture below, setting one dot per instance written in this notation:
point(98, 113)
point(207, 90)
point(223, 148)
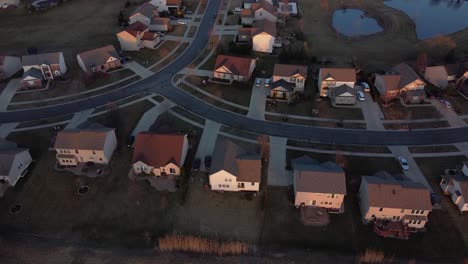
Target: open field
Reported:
point(396, 43)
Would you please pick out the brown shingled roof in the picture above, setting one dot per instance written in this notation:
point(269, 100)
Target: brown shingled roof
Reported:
point(289, 70)
point(86, 139)
point(237, 65)
point(158, 150)
point(98, 56)
point(136, 28)
point(265, 5)
point(339, 74)
point(397, 194)
point(408, 75)
point(265, 26)
point(391, 81)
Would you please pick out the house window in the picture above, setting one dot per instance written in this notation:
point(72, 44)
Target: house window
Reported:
point(418, 222)
point(412, 211)
point(219, 185)
point(172, 170)
point(333, 196)
point(380, 209)
point(76, 151)
point(402, 211)
point(293, 79)
point(300, 80)
point(94, 152)
point(31, 83)
point(100, 159)
point(253, 183)
point(240, 185)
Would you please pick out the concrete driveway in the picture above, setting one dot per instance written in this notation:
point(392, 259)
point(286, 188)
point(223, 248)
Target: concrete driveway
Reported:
point(207, 141)
point(372, 113)
point(277, 173)
point(257, 101)
point(8, 93)
point(148, 118)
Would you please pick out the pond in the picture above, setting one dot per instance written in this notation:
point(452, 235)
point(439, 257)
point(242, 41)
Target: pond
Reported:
point(434, 17)
point(353, 23)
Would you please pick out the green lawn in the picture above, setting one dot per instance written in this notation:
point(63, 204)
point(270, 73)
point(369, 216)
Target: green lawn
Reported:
point(396, 111)
point(148, 57)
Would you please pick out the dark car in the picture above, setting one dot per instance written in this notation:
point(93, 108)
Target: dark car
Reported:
point(196, 164)
point(207, 162)
point(130, 141)
point(173, 17)
point(435, 199)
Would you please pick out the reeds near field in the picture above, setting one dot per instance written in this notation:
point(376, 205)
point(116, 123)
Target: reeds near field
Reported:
point(194, 244)
point(371, 256)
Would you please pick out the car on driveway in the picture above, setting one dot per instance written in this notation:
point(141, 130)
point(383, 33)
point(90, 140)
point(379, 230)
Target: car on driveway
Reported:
point(207, 162)
point(267, 82)
point(360, 96)
point(196, 164)
point(258, 82)
point(445, 103)
point(181, 22)
point(403, 163)
point(365, 86)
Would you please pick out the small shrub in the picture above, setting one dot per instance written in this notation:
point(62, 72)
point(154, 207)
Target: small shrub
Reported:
point(171, 243)
point(371, 256)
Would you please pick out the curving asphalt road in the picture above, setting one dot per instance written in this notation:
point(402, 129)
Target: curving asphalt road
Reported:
point(161, 83)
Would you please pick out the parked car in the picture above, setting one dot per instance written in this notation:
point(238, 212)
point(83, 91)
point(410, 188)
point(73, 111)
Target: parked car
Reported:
point(267, 82)
point(173, 18)
point(207, 162)
point(445, 103)
point(196, 164)
point(403, 163)
point(237, 10)
point(435, 199)
point(365, 86)
point(130, 141)
point(258, 82)
point(181, 22)
point(360, 96)
point(188, 12)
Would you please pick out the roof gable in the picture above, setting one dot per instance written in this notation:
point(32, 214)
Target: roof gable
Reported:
point(158, 150)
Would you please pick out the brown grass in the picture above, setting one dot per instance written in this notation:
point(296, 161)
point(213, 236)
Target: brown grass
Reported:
point(374, 256)
point(194, 244)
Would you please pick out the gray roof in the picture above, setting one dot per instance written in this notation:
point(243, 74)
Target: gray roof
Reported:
point(43, 58)
point(310, 176)
point(33, 72)
point(234, 159)
point(82, 139)
point(284, 84)
point(408, 75)
point(343, 89)
point(145, 9)
point(98, 56)
point(7, 156)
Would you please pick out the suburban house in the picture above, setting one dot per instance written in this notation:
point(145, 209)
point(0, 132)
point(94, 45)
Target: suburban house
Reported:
point(32, 79)
point(287, 7)
point(14, 163)
point(159, 154)
point(248, 3)
point(148, 14)
point(170, 6)
point(137, 36)
point(234, 169)
point(9, 3)
point(330, 78)
point(262, 36)
point(319, 185)
point(75, 146)
point(441, 75)
point(411, 86)
point(462, 87)
point(233, 68)
point(247, 16)
point(382, 197)
point(9, 66)
point(387, 85)
point(264, 10)
point(99, 60)
point(294, 74)
point(455, 184)
point(282, 90)
point(51, 65)
point(343, 95)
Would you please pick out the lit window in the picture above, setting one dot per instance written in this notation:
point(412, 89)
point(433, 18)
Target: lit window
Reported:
point(380, 209)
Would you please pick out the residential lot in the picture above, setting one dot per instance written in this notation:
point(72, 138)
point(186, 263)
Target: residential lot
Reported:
point(396, 111)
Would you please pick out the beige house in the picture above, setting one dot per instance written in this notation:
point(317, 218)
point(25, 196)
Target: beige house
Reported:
point(76, 146)
point(148, 15)
point(329, 78)
point(32, 79)
point(137, 36)
point(159, 154)
point(282, 90)
point(455, 184)
point(14, 163)
point(382, 197)
point(388, 85)
point(319, 185)
point(441, 75)
point(51, 65)
point(9, 66)
point(343, 95)
point(167, 5)
point(99, 60)
point(263, 36)
point(234, 169)
point(264, 10)
point(233, 68)
point(294, 74)
point(411, 86)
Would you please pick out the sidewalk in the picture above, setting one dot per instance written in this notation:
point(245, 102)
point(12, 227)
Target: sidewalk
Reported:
point(79, 118)
point(148, 118)
point(6, 129)
point(197, 72)
point(452, 118)
point(277, 173)
point(372, 113)
point(138, 69)
point(8, 93)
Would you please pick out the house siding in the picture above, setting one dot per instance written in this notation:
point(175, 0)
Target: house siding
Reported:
point(224, 181)
point(18, 169)
point(261, 14)
point(263, 43)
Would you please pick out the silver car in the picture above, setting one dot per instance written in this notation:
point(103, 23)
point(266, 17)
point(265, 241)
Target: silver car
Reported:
point(403, 163)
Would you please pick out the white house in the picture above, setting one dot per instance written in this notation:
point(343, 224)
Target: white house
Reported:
point(52, 64)
point(137, 36)
point(75, 146)
point(234, 169)
point(9, 3)
point(9, 65)
point(319, 185)
point(14, 163)
point(159, 154)
point(233, 68)
point(263, 36)
point(144, 13)
point(295, 74)
point(167, 5)
point(456, 186)
point(264, 10)
point(99, 60)
point(389, 199)
point(330, 78)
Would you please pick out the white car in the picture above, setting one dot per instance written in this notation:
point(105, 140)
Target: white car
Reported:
point(365, 86)
point(360, 96)
point(181, 22)
point(403, 163)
